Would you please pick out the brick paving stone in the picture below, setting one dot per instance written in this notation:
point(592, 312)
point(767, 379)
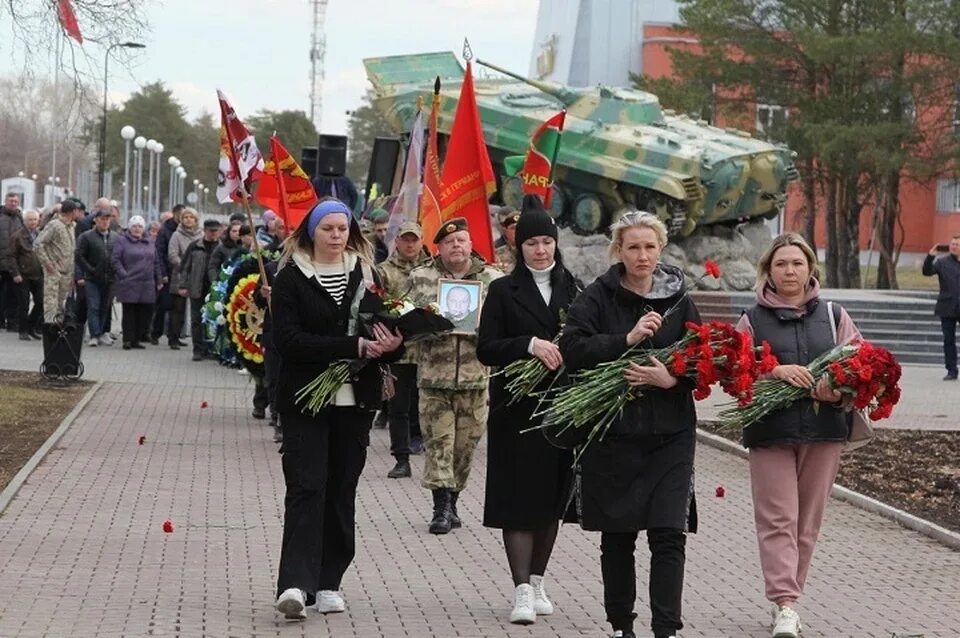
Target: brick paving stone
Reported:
point(82, 552)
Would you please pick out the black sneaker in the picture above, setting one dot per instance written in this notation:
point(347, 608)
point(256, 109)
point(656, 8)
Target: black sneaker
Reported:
point(174, 345)
point(259, 413)
point(197, 356)
point(951, 376)
point(25, 337)
point(416, 446)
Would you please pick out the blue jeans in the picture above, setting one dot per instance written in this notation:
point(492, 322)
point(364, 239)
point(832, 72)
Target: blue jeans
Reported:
point(98, 300)
point(949, 326)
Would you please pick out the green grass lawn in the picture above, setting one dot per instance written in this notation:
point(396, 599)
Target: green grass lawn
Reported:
point(908, 278)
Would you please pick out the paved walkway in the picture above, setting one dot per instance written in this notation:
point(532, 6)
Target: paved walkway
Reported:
point(82, 552)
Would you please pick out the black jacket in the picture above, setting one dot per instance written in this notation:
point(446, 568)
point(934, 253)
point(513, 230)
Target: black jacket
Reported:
point(163, 242)
point(221, 256)
point(93, 253)
point(947, 270)
point(596, 331)
point(310, 331)
point(513, 313)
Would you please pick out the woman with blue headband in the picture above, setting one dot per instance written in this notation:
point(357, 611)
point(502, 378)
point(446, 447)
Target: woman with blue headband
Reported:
point(325, 273)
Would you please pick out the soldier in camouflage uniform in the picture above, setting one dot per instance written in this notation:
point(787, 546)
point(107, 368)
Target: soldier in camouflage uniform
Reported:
point(54, 248)
point(506, 255)
point(452, 382)
point(403, 407)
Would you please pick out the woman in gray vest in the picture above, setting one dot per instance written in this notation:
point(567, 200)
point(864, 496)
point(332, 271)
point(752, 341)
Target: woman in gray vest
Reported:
point(794, 452)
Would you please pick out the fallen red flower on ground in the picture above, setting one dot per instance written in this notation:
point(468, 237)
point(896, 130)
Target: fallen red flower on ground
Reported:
point(168, 526)
point(721, 492)
point(141, 440)
point(203, 404)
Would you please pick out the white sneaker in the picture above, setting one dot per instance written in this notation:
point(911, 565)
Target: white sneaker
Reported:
point(290, 604)
point(330, 602)
point(92, 343)
point(523, 612)
point(541, 604)
point(105, 340)
point(786, 624)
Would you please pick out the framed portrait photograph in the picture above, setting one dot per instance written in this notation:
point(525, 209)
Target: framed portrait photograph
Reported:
point(459, 301)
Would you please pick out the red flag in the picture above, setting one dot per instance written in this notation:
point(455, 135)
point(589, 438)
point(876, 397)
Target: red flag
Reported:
point(536, 167)
point(430, 197)
point(290, 193)
point(68, 19)
point(241, 163)
point(467, 176)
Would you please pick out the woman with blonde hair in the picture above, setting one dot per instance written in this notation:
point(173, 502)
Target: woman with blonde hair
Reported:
point(187, 232)
point(325, 275)
point(794, 452)
point(640, 475)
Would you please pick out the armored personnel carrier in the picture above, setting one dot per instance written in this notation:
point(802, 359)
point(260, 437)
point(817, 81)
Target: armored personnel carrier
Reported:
point(620, 151)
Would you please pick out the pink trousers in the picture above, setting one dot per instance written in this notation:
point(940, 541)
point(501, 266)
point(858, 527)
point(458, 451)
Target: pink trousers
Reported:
point(791, 484)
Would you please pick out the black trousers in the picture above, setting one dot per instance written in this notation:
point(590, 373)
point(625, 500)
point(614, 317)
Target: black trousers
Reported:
point(196, 326)
point(178, 309)
point(32, 320)
point(135, 322)
point(8, 300)
point(404, 410)
point(949, 327)
point(271, 368)
point(323, 458)
point(617, 564)
point(160, 310)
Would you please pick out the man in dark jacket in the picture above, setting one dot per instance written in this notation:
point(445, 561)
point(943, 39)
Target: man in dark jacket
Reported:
point(28, 276)
point(162, 307)
point(195, 281)
point(947, 270)
point(11, 221)
point(94, 275)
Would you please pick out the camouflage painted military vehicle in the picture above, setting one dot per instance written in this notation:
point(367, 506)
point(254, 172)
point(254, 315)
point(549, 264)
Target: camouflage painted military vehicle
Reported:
point(620, 151)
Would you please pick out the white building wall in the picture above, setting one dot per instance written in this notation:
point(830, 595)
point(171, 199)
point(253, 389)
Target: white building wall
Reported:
point(594, 41)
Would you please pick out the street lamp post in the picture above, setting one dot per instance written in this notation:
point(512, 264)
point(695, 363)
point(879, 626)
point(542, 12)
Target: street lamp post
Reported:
point(171, 196)
point(127, 133)
point(156, 187)
point(148, 201)
point(103, 125)
point(139, 143)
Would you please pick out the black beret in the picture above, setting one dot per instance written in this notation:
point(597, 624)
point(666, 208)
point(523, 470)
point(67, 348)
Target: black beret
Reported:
point(450, 226)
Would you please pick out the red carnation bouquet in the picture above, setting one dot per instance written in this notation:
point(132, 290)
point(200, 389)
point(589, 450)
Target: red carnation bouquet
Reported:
point(526, 376)
point(708, 353)
point(867, 375)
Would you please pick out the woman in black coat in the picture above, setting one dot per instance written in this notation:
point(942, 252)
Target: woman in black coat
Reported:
point(316, 298)
point(525, 475)
point(640, 475)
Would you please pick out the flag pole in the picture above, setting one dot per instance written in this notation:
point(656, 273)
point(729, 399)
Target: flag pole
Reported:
point(556, 152)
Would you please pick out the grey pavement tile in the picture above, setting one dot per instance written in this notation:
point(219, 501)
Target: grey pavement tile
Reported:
point(82, 552)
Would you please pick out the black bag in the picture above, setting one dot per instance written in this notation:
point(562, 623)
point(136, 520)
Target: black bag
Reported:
point(62, 344)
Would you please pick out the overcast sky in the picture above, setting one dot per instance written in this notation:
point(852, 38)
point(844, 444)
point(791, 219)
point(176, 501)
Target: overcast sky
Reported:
point(258, 50)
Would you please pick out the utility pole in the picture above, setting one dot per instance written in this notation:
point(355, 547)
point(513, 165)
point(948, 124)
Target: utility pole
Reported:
point(318, 52)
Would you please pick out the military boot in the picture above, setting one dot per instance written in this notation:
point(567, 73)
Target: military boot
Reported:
point(455, 522)
point(441, 511)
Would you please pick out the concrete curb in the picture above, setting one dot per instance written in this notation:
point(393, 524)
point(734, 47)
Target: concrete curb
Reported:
point(941, 534)
point(21, 477)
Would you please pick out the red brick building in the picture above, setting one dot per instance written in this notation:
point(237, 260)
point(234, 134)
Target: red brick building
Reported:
point(930, 211)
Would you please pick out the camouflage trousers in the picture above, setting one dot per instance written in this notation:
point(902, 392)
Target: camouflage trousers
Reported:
point(56, 287)
point(452, 422)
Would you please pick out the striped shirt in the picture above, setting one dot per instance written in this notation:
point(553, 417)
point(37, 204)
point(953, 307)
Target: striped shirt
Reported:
point(333, 278)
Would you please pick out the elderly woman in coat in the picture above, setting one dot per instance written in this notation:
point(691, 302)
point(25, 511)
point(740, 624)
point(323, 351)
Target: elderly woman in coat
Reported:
point(138, 277)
